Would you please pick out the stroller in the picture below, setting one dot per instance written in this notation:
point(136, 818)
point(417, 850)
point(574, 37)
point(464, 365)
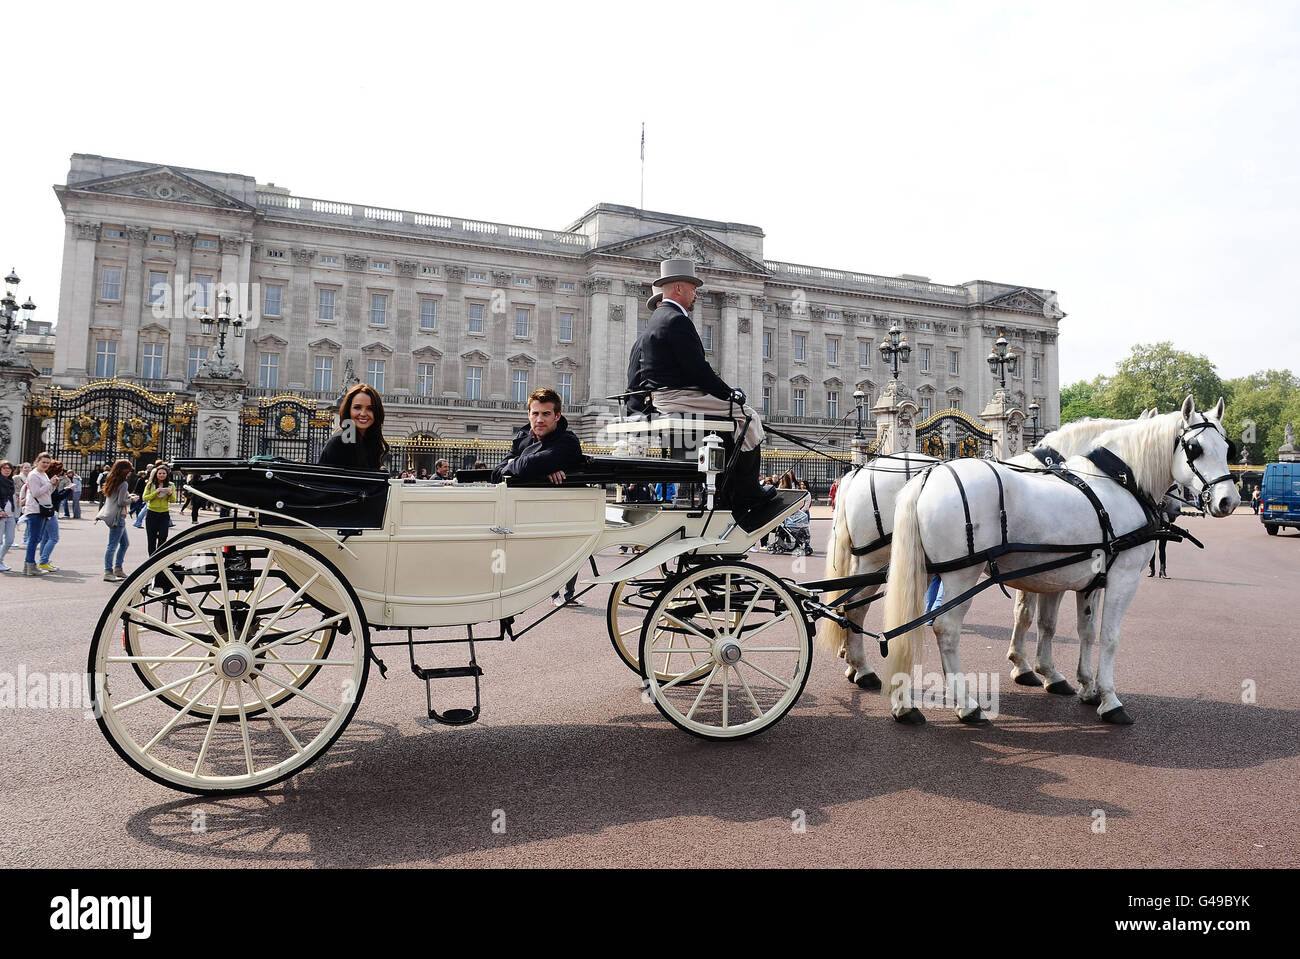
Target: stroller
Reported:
point(792, 536)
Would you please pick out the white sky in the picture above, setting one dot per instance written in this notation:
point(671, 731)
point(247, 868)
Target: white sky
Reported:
point(1140, 158)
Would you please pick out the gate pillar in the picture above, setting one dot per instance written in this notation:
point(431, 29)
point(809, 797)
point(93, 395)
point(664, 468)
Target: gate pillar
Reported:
point(895, 415)
point(1005, 421)
point(219, 402)
point(15, 384)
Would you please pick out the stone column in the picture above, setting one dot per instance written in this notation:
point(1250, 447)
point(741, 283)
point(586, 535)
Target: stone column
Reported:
point(177, 358)
point(16, 379)
point(236, 283)
point(1006, 422)
point(895, 416)
point(730, 337)
point(598, 317)
point(73, 354)
point(781, 355)
point(356, 311)
point(219, 402)
point(753, 385)
point(133, 303)
point(297, 366)
point(453, 332)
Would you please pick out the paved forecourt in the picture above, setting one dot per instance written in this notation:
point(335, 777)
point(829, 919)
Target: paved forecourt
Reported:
point(570, 767)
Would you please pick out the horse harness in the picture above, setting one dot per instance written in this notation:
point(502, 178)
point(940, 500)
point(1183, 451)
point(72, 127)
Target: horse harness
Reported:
point(1155, 527)
point(883, 538)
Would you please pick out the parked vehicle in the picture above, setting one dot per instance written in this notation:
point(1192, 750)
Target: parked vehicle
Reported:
point(1279, 504)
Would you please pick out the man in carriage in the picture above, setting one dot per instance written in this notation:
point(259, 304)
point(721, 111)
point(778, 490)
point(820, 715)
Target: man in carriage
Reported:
point(546, 447)
point(669, 359)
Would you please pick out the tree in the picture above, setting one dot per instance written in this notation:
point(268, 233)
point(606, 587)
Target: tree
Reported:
point(1080, 400)
point(1259, 406)
point(1159, 375)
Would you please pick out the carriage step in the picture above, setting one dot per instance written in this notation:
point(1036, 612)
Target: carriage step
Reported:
point(447, 672)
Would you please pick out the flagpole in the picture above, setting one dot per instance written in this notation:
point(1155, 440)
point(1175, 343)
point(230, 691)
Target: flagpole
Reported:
point(642, 164)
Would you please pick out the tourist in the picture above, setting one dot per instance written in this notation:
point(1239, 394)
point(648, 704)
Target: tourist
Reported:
point(117, 498)
point(38, 506)
point(159, 495)
point(8, 511)
point(50, 534)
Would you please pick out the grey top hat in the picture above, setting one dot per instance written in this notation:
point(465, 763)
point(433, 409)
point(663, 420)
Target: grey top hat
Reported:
point(652, 304)
point(671, 271)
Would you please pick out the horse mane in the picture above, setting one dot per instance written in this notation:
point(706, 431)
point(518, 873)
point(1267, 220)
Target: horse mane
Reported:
point(1147, 446)
point(1071, 434)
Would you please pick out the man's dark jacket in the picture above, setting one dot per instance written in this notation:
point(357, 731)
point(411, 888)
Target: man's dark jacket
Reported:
point(670, 356)
point(533, 458)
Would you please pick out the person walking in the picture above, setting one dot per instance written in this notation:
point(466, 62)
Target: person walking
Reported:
point(77, 491)
point(159, 495)
point(38, 506)
point(138, 483)
point(50, 535)
point(8, 511)
point(113, 514)
point(1170, 509)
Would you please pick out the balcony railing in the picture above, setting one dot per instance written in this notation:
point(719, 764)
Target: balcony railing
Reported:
point(868, 282)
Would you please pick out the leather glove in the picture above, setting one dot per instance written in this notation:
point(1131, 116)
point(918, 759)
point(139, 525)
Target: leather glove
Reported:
point(738, 397)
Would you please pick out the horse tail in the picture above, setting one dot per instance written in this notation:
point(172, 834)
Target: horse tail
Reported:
point(905, 590)
point(839, 559)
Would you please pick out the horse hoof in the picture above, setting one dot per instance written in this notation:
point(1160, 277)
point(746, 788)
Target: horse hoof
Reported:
point(870, 681)
point(977, 718)
point(1061, 688)
point(1092, 700)
point(1117, 716)
point(1028, 679)
point(913, 717)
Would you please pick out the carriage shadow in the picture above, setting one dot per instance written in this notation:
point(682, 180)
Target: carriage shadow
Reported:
point(380, 797)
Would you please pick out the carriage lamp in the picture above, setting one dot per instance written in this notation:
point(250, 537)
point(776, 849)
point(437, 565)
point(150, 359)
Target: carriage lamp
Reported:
point(1033, 412)
point(999, 359)
point(894, 347)
point(712, 459)
point(859, 398)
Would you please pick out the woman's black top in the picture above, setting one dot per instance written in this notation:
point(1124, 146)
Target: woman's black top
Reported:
point(356, 455)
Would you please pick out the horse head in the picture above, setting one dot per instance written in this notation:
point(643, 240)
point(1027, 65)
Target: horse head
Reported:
point(1202, 453)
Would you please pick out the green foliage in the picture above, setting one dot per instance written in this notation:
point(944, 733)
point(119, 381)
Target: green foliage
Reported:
point(1159, 375)
point(1268, 399)
point(1080, 400)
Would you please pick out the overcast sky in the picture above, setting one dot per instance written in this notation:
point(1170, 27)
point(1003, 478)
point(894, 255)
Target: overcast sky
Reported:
point(1139, 158)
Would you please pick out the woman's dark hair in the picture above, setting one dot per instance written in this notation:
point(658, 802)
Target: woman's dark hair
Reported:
point(374, 446)
point(116, 476)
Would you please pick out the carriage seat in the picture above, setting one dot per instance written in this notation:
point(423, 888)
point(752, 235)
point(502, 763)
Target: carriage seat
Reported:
point(602, 470)
point(326, 496)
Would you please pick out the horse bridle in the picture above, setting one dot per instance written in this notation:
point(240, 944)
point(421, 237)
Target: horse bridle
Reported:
point(1193, 450)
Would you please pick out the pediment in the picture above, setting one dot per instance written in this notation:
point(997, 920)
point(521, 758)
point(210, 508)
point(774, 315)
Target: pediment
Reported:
point(270, 339)
point(428, 353)
point(325, 343)
point(866, 386)
point(521, 359)
point(833, 383)
point(955, 391)
point(377, 347)
point(925, 389)
point(155, 328)
point(164, 184)
point(800, 380)
point(707, 252)
point(1023, 300)
point(567, 364)
point(477, 355)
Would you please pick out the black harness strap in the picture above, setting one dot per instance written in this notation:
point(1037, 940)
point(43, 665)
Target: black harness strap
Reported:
point(884, 539)
point(1047, 456)
point(875, 505)
point(965, 505)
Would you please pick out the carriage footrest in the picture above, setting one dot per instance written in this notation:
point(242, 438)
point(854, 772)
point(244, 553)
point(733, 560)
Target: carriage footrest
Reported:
point(447, 672)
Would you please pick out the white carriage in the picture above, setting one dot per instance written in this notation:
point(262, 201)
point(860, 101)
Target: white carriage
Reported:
point(237, 654)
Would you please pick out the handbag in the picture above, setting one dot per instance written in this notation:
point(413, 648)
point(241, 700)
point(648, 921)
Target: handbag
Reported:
point(110, 514)
point(47, 512)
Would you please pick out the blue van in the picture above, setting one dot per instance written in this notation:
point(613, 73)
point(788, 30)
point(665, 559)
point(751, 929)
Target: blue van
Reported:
point(1279, 503)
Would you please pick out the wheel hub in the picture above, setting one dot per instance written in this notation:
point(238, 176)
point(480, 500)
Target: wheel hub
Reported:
point(235, 662)
point(727, 651)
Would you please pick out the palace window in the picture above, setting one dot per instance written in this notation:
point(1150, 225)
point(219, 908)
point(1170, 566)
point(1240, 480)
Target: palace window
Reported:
point(378, 310)
point(323, 374)
point(864, 353)
point(329, 260)
point(800, 343)
point(272, 297)
point(954, 361)
point(522, 317)
point(105, 358)
point(832, 350)
point(197, 356)
point(424, 380)
point(564, 387)
point(566, 327)
point(476, 318)
point(157, 287)
point(325, 306)
point(565, 285)
point(151, 361)
point(833, 404)
point(268, 370)
point(110, 287)
point(925, 407)
point(799, 401)
point(203, 293)
point(767, 401)
point(924, 359)
point(767, 344)
point(375, 374)
point(706, 337)
point(519, 385)
point(428, 314)
point(473, 382)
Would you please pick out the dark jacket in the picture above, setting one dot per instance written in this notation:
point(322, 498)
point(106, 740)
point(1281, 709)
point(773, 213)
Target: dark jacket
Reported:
point(361, 456)
point(669, 355)
point(531, 458)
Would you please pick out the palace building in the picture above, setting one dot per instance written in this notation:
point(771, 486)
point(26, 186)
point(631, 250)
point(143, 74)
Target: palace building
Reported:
point(456, 321)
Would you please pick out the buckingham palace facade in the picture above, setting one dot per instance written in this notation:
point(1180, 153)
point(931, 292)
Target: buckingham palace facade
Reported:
point(455, 321)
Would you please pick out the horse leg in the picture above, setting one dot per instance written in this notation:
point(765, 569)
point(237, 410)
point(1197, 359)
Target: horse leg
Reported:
point(1021, 672)
point(947, 631)
point(1049, 604)
point(1120, 591)
point(1086, 608)
point(859, 671)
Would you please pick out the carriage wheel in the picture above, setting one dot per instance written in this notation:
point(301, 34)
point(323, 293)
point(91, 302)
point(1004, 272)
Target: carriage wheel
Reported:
point(201, 686)
point(625, 612)
point(751, 639)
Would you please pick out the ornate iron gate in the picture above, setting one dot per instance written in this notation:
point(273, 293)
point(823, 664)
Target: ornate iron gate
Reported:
point(97, 424)
point(950, 434)
point(285, 426)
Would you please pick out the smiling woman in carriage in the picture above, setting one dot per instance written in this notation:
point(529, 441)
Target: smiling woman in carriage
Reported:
point(360, 443)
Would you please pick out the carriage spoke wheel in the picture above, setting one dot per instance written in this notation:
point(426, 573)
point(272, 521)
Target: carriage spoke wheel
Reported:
point(625, 612)
point(203, 657)
point(750, 639)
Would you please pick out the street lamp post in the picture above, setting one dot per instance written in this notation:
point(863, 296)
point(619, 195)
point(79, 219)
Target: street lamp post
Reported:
point(11, 325)
point(999, 358)
point(894, 347)
point(859, 397)
point(1033, 412)
point(218, 368)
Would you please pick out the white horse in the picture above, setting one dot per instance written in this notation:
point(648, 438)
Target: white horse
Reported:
point(1186, 447)
point(1069, 440)
point(860, 543)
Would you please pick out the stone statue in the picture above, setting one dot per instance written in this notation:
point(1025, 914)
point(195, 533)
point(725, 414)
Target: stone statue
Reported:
point(1290, 435)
